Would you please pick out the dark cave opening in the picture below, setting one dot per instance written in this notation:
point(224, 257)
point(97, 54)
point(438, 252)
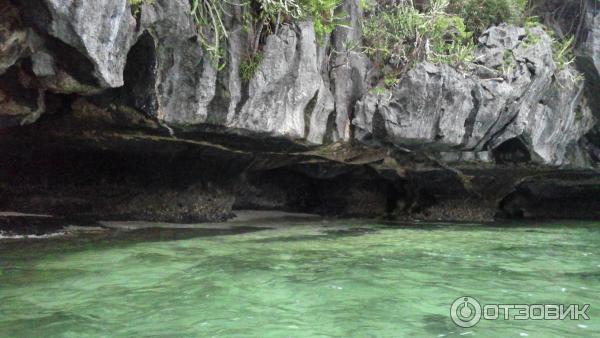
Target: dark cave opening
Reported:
point(511, 151)
point(351, 192)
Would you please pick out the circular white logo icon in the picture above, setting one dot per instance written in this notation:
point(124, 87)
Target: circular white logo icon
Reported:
point(465, 312)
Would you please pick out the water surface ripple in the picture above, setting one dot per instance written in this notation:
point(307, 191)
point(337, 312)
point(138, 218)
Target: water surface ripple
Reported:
point(320, 279)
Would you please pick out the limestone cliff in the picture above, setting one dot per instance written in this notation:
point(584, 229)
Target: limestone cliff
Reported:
point(309, 131)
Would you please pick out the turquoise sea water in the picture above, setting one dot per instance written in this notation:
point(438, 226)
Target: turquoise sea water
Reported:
point(321, 279)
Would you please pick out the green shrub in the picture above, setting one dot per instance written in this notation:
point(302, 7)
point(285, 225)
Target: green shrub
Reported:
point(249, 65)
point(322, 13)
point(479, 15)
point(563, 49)
point(261, 17)
point(391, 80)
point(400, 35)
point(564, 53)
point(209, 17)
point(277, 11)
point(377, 90)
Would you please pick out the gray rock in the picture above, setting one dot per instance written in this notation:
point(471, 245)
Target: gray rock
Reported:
point(305, 89)
point(349, 69)
point(520, 94)
point(429, 106)
point(553, 125)
point(319, 117)
point(13, 37)
point(522, 74)
point(43, 64)
point(588, 58)
point(590, 49)
point(182, 80)
point(319, 127)
point(239, 44)
point(103, 31)
point(308, 66)
point(287, 80)
point(52, 76)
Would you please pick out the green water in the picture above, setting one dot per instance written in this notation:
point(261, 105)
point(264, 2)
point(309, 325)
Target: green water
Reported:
point(302, 280)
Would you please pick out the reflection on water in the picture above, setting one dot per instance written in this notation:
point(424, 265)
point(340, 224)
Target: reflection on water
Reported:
point(337, 279)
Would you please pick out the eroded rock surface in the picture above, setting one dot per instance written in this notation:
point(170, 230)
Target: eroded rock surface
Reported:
point(591, 46)
point(288, 78)
point(103, 31)
point(515, 91)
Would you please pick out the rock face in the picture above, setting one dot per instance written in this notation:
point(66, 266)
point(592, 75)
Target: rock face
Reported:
point(95, 75)
point(286, 81)
point(13, 37)
point(516, 91)
point(177, 82)
point(589, 61)
point(103, 31)
point(591, 47)
point(349, 73)
point(301, 90)
point(429, 107)
point(17, 104)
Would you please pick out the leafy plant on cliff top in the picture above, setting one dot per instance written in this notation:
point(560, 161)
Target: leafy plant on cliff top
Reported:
point(563, 48)
point(479, 15)
point(260, 17)
point(564, 54)
point(400, 35)
point(209, 16)
point(322, 13)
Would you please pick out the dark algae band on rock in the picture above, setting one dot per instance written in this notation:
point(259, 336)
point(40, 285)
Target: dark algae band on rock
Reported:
point(145, 110)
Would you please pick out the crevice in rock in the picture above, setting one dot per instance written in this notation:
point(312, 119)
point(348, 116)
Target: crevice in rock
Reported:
point(470, 120)
point(379, 129)
point(140, 76)
point(71, 61)
point(218, 107)
point(308, 111)
point(330, 129)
